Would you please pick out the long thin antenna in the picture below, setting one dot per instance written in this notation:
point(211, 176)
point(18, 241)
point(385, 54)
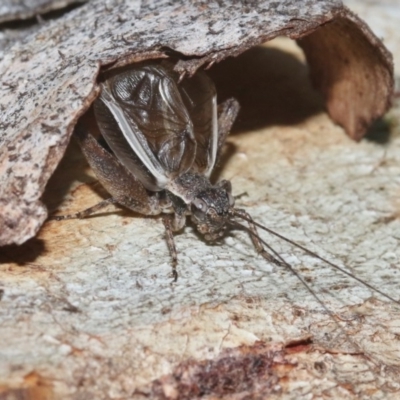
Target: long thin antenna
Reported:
point(283, 262)
point(315, 255)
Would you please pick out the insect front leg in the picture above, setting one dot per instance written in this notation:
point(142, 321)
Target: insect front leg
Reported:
point(256, 239)
point(173, 223)
point(124, 188)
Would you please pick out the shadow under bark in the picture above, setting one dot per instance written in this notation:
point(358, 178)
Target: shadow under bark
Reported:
point(271, 85)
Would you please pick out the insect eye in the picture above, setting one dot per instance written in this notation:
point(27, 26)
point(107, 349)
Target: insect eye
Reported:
point(231, 199)
point(199, 205)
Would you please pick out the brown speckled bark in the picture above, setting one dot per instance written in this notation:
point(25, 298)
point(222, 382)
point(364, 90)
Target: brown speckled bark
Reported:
point(11, 10)
point(50, 80)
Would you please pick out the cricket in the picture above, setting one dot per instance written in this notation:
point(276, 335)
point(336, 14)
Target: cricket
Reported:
point(199, 199)
point(161, 136)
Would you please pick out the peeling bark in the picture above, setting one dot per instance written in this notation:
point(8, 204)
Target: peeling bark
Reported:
point(50, 80)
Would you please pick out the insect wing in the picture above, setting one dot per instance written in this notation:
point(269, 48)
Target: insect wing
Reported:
point(200, 98)
point(152, 176)
point(154, 137)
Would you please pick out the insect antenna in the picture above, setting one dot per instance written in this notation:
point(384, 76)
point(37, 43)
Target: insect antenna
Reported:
point(280, 261)
point(309, 252)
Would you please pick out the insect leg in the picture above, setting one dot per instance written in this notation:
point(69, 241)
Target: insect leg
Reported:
point(255, 238)
point(167, 220)
point(227, 113)
point(87, 212)
point(124, 187)
point(173, 223)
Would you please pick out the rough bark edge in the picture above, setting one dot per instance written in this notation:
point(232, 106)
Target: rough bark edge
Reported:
point(30, 10)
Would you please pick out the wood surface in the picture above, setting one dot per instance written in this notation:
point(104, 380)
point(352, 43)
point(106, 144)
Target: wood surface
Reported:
point(88, 309)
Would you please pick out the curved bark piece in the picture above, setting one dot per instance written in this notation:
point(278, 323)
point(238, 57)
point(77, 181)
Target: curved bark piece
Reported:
point(352, 69)
point(49, 81)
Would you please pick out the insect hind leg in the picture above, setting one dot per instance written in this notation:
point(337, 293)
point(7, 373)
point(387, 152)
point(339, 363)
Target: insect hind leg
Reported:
point(87, 212)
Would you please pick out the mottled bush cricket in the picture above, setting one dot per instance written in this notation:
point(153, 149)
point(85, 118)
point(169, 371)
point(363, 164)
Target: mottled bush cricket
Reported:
point(163, 137)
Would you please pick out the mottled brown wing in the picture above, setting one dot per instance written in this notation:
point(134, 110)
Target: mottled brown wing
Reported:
point(200, 98)
point(145, 122)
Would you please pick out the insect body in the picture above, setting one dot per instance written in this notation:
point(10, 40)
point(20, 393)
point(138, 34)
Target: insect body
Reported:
point(165, 137)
